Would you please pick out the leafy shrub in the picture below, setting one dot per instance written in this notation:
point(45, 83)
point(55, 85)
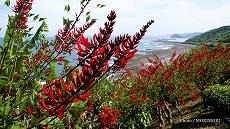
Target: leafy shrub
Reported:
point(151, 89)
point(218, 96)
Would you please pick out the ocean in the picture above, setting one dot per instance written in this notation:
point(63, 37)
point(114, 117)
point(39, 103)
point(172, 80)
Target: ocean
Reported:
point(146, 44)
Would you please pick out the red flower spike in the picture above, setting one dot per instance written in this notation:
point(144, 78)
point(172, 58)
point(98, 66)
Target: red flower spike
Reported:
point(79, 47)
point(108, 117)
point(142, 87)
point(133, 97)
point(38, 107)
point(61, 59)
point(57, 48)
point(60, 110)
point(22, 7)
point(75, 100)
point(86, 87)
point(173, 56)
point(90, 105)
point(85, 96)
point(57, 83)
point(43, 105)
point(59, 93)
point(51, 95)
point(65, 85)
point(73, 79)
point(45, 58)
point(29, 111)
point(119, 92)
point(85, 42)
point(144, 98)
point(44, 89)
point(160, 103)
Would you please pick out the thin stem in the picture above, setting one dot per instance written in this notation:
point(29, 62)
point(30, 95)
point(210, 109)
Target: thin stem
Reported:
point(73, 25)
point(9, 43)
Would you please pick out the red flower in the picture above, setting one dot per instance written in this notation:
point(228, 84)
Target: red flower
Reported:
point(22, 7)
point(29, 111)
point(142, 87)
point(173, 56)
point(61, 59)
point(108, 117)
point(181, 101)
point(144, 98)
point(90, 105)
point(26, 62)
point(119, 92)
point(85, 96)
point(160, 103)
point(133, 97)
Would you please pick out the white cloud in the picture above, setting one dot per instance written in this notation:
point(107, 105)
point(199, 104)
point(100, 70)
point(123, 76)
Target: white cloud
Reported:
point(171, 16)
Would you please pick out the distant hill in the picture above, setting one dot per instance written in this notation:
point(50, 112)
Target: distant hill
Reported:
point(221, 34)
point(185, 35)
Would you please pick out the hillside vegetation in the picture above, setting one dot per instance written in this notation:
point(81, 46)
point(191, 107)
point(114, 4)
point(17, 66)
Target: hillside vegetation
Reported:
point(185, 35)
point(221, 34)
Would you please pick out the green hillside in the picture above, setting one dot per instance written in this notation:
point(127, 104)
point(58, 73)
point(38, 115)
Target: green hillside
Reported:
point(221, 34)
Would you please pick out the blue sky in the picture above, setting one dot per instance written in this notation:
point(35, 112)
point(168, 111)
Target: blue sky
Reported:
point(171, 16)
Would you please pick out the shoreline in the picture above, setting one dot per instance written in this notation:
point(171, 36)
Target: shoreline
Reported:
point(163, 54)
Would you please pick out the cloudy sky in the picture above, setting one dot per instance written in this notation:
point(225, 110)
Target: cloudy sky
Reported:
point(171, 16)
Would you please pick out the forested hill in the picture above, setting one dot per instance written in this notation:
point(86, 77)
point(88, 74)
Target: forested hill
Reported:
point(221, 34)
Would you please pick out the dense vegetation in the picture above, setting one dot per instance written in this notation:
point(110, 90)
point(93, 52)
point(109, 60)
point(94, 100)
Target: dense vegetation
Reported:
point(218, 96)
point(150, 97)
point(218, 35)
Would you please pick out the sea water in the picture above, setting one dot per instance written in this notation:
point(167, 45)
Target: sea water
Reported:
point(146, 44)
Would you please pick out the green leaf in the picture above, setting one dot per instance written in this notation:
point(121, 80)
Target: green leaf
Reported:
point(53, 66)
point(24, 104)
point(7, 2)
point(32, 98)
point(31, 28)
point(31, 14)
point(36, 17)
point(3, 82)
point(82, 1)
point(42, 19)
point(0, 100)
point(37, 36)
point(66, 21)
point(88, 18)
point(7, 108)
point(18, 96)
point(87, 13)
point(98, 5)
point(102, 6)
point(67, 8)
point(34, 120)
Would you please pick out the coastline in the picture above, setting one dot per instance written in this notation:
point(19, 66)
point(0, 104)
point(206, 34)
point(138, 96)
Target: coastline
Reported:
point(164, 55)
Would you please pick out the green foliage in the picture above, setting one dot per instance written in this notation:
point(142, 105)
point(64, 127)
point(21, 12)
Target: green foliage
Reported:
point(218, 35)
point(7, 2)
point(67, 8)
point(218, 96)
